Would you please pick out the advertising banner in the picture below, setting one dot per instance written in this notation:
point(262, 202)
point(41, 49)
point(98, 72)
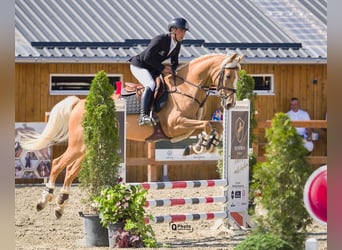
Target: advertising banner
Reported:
point(236, 148)
point(30, 165)
point(120, 106)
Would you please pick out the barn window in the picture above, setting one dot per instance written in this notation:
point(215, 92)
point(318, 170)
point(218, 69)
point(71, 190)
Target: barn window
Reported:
point(264, 84)
point(62, 84)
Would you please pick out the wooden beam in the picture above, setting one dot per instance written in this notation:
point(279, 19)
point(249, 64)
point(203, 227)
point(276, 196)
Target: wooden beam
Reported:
point(151, 167)
point(303, 124)
point(315, 160)
point(143, 161)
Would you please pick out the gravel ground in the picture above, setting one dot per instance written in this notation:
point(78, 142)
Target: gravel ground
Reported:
point(40, 230)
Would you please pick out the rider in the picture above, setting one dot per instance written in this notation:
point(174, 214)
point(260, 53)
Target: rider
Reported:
point(148, 65)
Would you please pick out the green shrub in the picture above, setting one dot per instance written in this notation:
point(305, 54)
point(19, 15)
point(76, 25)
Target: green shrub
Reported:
point(261, 241)
point(100, 165)
point(280, 181)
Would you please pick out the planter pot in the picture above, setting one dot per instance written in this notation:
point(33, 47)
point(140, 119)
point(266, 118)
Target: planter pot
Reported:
point(94, 233)
point(114, 229)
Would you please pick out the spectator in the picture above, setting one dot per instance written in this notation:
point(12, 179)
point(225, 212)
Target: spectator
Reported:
point(297, 114)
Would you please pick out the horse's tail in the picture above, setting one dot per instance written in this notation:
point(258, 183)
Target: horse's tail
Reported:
point(55, 131)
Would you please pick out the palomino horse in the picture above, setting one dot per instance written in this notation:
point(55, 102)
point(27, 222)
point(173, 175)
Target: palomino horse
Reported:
point(180, 117)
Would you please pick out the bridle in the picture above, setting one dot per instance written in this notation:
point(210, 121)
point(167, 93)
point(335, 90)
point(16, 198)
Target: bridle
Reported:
point(208, 90)
point(220, 83)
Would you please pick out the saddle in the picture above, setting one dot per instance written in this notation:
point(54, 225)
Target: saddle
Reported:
point(159, 99)
point(131, 88)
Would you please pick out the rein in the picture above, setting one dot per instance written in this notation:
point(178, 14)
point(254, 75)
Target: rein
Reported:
point(206, 89)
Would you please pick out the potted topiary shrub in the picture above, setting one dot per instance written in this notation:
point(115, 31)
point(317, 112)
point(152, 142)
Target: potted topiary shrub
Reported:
point(99, 178)
point(122, 210)
point(100, 166)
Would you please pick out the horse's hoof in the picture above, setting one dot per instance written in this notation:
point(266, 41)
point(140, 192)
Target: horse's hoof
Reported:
point(58, 212)
point(186, 151)
point(46, 197)
point(39, 207)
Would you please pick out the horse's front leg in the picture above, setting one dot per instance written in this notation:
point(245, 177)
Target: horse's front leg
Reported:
point(72, 172)
point(215, 135)
point(205, 143)
point(209, 138)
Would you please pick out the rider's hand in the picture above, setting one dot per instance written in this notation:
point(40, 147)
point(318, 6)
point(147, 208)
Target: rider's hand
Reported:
point(167, 70)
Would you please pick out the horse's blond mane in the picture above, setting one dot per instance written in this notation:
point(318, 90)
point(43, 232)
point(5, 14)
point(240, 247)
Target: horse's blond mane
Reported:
point(203, 57)
point(208, 55)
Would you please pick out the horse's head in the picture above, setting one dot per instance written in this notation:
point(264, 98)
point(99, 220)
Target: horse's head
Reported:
point(227, 78)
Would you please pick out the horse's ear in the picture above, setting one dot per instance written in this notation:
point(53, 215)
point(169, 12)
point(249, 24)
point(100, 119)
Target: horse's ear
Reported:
point(231, 55)
point(240, 58)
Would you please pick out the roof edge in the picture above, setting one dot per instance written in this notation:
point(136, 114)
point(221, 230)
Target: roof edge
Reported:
point(181, 60)
point(144, 42)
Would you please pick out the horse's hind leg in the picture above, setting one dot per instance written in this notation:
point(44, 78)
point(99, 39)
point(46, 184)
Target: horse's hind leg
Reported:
point(58, 164)
point(74, 151)
point(72, 172)
point(47, 194)
point(72, 157)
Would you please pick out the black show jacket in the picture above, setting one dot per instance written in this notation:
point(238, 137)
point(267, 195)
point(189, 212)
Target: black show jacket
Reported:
point(155, 53)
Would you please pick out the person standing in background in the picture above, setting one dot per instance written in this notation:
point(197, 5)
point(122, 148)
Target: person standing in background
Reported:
point(297, 114)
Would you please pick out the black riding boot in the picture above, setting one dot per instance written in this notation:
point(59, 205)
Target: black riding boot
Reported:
point(146, 97)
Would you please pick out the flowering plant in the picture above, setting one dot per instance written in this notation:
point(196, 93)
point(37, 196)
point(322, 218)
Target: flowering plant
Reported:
point(123, 203)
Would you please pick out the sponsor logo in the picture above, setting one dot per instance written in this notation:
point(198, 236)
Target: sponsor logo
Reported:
point(181, 227)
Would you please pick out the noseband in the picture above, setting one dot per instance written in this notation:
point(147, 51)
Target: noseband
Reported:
point(220, 83)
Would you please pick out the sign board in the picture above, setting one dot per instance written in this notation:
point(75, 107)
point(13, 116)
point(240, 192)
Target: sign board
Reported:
point(30, 164)
point(120, 106)
point(236, 155)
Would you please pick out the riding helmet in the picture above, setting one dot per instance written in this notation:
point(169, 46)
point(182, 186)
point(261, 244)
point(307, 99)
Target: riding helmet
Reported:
point(178, 22)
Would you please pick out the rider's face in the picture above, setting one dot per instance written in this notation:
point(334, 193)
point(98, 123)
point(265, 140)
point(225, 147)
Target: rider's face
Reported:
point(179, 34)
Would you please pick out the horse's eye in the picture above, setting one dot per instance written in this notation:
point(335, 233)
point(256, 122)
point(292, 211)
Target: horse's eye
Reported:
point(228, 77)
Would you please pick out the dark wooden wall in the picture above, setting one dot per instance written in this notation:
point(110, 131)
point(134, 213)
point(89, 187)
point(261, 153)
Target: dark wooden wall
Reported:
point(32, 100)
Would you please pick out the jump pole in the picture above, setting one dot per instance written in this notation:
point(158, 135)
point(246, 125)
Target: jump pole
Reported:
point(185, 201)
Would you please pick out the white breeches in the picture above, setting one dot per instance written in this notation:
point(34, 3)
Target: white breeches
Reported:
point(143, 76)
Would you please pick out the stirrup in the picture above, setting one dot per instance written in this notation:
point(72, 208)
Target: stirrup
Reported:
point(145, 120)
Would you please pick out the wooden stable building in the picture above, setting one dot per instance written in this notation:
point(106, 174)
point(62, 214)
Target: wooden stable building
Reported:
point(33, 101)
point(283, 65)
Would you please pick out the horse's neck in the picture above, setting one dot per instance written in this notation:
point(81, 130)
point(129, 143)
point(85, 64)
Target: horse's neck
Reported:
point(198, 71)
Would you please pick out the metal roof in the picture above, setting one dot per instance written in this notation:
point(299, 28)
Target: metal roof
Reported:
point(115, 30)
